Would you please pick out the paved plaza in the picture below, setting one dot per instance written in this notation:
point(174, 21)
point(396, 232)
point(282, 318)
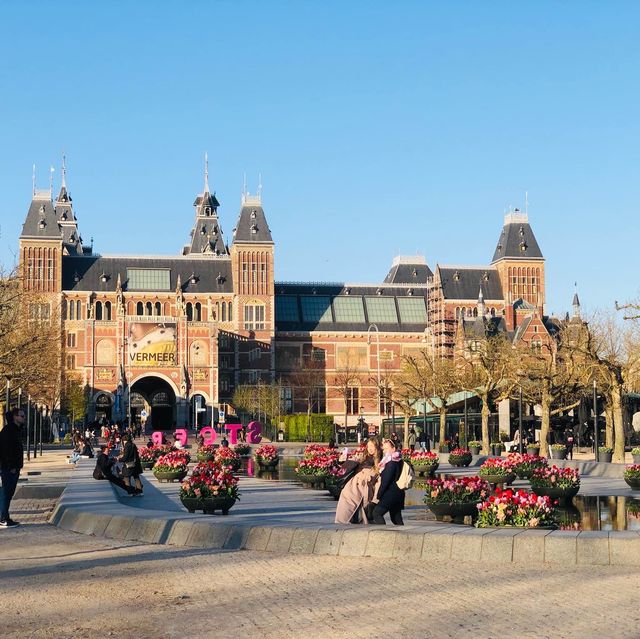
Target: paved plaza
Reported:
point(57, 584)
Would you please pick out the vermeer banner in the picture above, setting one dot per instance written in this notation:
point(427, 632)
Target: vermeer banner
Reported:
point(152, 345)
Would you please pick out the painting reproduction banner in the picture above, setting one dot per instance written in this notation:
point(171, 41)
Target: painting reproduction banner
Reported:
point(152, 345)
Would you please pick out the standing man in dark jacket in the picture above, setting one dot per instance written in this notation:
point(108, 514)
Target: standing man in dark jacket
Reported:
point(11, 456)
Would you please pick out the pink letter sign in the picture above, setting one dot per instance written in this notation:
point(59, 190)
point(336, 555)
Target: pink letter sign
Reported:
point(156, 437)
point(233, 432)
point(208, 435)
point(181, 436)
point(254, 429)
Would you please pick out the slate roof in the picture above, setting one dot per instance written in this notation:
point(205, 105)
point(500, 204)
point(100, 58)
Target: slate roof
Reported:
point(206, 236)
point(463, 282)
point(71, 238)
point(294, 292)
point(517, 240)
point(406, 273)
point(91, 268)
point(41, 221)
point(252, 223)
point(480, 327)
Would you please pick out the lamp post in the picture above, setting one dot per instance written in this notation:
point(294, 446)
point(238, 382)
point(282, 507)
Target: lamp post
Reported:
point(377, 357)
point(424, 421)
point(466, 428)
point(28, 427)
point(520, 446)
point(595, 420)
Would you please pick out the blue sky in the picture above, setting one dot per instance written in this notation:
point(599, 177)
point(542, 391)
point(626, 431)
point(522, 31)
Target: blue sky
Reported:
point(379, 128)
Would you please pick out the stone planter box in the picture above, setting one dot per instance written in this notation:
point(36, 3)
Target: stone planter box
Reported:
point(533, 450)
point(636, 459)
point(558, 454)
point(170, 476)
point(426, 470)
point(499, 480)
point(147, 465)
point(633, 483)
point(268, 465)
point(475, 450)
point(562, 494)
point(461, 461)
point(211, 504)
point(205, 457)
point(496, 451)
point(453, 510)
point(313, 481)
point(605, 457)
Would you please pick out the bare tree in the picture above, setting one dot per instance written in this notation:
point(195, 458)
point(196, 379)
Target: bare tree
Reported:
point(347, 376)
point(306, 379)
point(427, 375)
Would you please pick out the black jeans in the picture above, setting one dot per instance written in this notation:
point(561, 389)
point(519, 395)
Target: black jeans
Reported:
point(9, 483)
point(395, 513)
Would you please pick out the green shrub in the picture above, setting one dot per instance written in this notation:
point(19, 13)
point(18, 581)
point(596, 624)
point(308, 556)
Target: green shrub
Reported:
point(295, 427)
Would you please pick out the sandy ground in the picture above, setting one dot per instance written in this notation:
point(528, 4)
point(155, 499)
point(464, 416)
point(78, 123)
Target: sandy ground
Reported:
point(56, 584)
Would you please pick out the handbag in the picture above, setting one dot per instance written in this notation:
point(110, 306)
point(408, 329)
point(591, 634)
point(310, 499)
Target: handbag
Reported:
point(130, 465)
point(349, 475)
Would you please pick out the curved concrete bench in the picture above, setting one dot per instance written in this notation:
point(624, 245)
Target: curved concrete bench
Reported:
point(296, 520)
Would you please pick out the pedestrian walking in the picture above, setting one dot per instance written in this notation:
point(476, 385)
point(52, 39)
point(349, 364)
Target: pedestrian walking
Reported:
point(412, 439)
point(11, 461)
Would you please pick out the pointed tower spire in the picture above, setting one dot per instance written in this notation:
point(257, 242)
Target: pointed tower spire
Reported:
point(576, 303)
point(33, 180)
point(64, 171)
point(260, 186)
point(206, 172)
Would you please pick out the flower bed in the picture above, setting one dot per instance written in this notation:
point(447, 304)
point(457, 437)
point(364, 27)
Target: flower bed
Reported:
point(460, 457)
point(315, 466)
point(228, 457)
point(515, 508)
point(210, 487)
point(242, 449)
point(632, 476)
point(497, 470)
point(524, 465)
point(313, 450)
point(266, 456)
point(172, 466)
point(406, 454)
point(561, 483)
point(458, 490)
point(424, 462)
point(206, 453)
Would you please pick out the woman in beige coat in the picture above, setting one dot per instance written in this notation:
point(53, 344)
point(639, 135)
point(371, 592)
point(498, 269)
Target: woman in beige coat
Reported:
point(358, 492)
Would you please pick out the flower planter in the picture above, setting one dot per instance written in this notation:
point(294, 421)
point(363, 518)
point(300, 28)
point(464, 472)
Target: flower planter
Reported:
point(170, 475)
point(605, 457)
point(334, 489)
point(211, 504)
point(205, 457)
point(556, 493)
point(636, 459)
point(475, 450)
point(633, 482)
point(558, 454)
point(147, 465)
point(191, 503)
point(313, 481)
point(460, 462)
point(499, 480)
point(268, 464)
point(454, 510)
point(524, 474)
point(533, 450)
point(443, 449)
point(428, 470)
point(496, 451)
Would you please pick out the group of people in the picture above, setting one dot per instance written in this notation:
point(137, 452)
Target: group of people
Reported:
point(370, 484)
point(123, 469)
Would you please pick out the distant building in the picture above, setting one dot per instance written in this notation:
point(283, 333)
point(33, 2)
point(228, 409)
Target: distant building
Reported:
point(175, 335)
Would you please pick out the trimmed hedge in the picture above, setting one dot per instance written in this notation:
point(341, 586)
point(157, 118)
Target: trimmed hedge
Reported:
point(295, 427)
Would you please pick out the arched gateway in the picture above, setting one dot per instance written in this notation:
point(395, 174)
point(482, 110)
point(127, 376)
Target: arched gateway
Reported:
point(154, 397)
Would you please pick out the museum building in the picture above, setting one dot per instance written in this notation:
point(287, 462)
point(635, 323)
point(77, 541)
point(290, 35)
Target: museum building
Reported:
point(176, 335)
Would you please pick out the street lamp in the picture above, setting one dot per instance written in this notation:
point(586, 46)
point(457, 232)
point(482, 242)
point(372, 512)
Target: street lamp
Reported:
point(595, 420)
point(520, 446)
point(377, 356)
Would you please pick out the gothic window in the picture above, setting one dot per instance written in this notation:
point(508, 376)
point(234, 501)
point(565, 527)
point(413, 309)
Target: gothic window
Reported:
point(158, 308)
point(139, 308)
point(189, 312)
point(107, 311)
point(197, 312)
point(78, 309)
point(230, 311)
point(224, 312)
point(149, 308)
point(72, 309)
point(98, 311)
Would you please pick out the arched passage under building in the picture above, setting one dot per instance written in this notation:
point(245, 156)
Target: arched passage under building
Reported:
point(156, 398)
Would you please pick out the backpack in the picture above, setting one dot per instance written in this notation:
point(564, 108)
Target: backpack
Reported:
point(407, 476)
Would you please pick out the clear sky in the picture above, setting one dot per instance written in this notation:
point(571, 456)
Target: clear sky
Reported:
point(380, 128)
